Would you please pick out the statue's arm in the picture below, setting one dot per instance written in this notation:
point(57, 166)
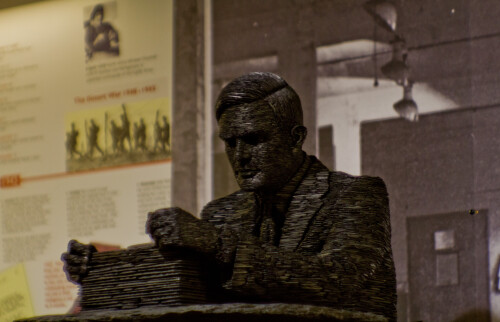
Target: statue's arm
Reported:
point(174, 228)
point(355, 248)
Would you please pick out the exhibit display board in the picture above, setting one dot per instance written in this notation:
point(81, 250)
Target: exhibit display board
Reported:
point(85, 123)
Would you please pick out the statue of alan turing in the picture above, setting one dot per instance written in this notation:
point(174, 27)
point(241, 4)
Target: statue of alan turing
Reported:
point(295, 232)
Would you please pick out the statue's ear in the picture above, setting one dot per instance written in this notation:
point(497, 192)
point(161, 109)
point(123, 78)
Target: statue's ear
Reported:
point(299, 134)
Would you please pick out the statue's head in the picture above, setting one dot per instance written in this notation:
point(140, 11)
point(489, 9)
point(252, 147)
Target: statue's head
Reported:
point(260, 121)
point(97, 15)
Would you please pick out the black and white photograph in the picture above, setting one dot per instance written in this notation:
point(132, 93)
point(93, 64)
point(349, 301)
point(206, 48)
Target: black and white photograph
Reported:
point(118, 135)
point(101, 37)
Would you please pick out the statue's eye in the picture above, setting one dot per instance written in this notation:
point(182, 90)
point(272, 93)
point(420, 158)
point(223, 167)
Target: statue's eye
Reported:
point(230, 142)
point(251, 139)
point(254, 138)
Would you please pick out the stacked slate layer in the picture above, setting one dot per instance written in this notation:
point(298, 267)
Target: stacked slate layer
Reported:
point(234, 312)
point(141, 276)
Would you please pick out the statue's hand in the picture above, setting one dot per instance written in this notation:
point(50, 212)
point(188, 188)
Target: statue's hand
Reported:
point(77, 260)
point(173, 228)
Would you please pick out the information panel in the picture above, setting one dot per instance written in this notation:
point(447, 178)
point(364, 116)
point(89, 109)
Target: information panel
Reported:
point(85, 124)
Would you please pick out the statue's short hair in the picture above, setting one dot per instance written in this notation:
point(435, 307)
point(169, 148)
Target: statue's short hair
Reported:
point(97, 9)
point(266, 87)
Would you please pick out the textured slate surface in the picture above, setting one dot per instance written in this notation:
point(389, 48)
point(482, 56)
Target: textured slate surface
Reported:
point(141, 276)
point(224, 312)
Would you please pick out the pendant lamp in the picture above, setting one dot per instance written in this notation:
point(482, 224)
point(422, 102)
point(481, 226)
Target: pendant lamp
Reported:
point(406, 107)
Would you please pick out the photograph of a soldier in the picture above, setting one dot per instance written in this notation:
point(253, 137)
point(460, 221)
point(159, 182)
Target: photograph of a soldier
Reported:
point(117, 135)
point(101, 38)
point(295, 232)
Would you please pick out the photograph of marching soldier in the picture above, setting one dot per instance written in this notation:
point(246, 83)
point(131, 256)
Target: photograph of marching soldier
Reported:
point(92, 131)
point(115, 138)
point(161, 134)
point(157, 132)
point(165, 134)
point(72, 142)
point(125, 129)
point(140, 135)
point(117, 135)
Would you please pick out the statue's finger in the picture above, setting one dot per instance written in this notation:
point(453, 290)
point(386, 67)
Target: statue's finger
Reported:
point(77, 248)
point(75, 270)
point(74, 247)
point(74, 277)
point(76, 259)
point(157, 222)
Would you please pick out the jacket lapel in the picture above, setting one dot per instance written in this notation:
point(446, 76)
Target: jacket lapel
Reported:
point(243, 218)
point(305, 204)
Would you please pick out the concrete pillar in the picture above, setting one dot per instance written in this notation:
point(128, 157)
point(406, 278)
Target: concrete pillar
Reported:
point(297, 64)
point(188, 109)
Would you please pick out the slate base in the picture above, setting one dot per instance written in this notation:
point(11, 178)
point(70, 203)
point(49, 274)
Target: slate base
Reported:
point(238, 312)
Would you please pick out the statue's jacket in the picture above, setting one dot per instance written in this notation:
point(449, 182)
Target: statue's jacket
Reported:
point(335, 246)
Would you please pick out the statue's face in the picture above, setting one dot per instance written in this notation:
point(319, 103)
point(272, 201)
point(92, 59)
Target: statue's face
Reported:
point(263, 157)
point(97, 20)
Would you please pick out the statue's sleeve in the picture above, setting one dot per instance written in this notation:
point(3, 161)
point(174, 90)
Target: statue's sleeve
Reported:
point(356, 248)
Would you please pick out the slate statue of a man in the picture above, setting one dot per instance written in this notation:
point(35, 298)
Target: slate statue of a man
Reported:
point(295, 232)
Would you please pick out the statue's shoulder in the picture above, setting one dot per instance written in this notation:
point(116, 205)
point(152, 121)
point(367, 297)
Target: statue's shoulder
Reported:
point(345, 180)
point(331, 185)
point(339, 178)
point(345, 189)
point(365, 192)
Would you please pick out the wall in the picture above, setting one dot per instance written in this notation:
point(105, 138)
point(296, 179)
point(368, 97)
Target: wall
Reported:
point(446, 163)
point(346, 111)
point(60, 176)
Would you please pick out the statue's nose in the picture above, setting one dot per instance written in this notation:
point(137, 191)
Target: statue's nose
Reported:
point(242, 151)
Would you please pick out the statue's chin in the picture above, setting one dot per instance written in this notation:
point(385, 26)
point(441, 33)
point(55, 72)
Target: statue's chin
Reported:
point(249, 183)
point(257, 184)
point(246, 186)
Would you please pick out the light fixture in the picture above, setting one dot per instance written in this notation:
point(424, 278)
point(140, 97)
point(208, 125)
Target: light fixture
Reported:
point(385, 15)
point(407, 108)
point(384, 12)
point(397, 69)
